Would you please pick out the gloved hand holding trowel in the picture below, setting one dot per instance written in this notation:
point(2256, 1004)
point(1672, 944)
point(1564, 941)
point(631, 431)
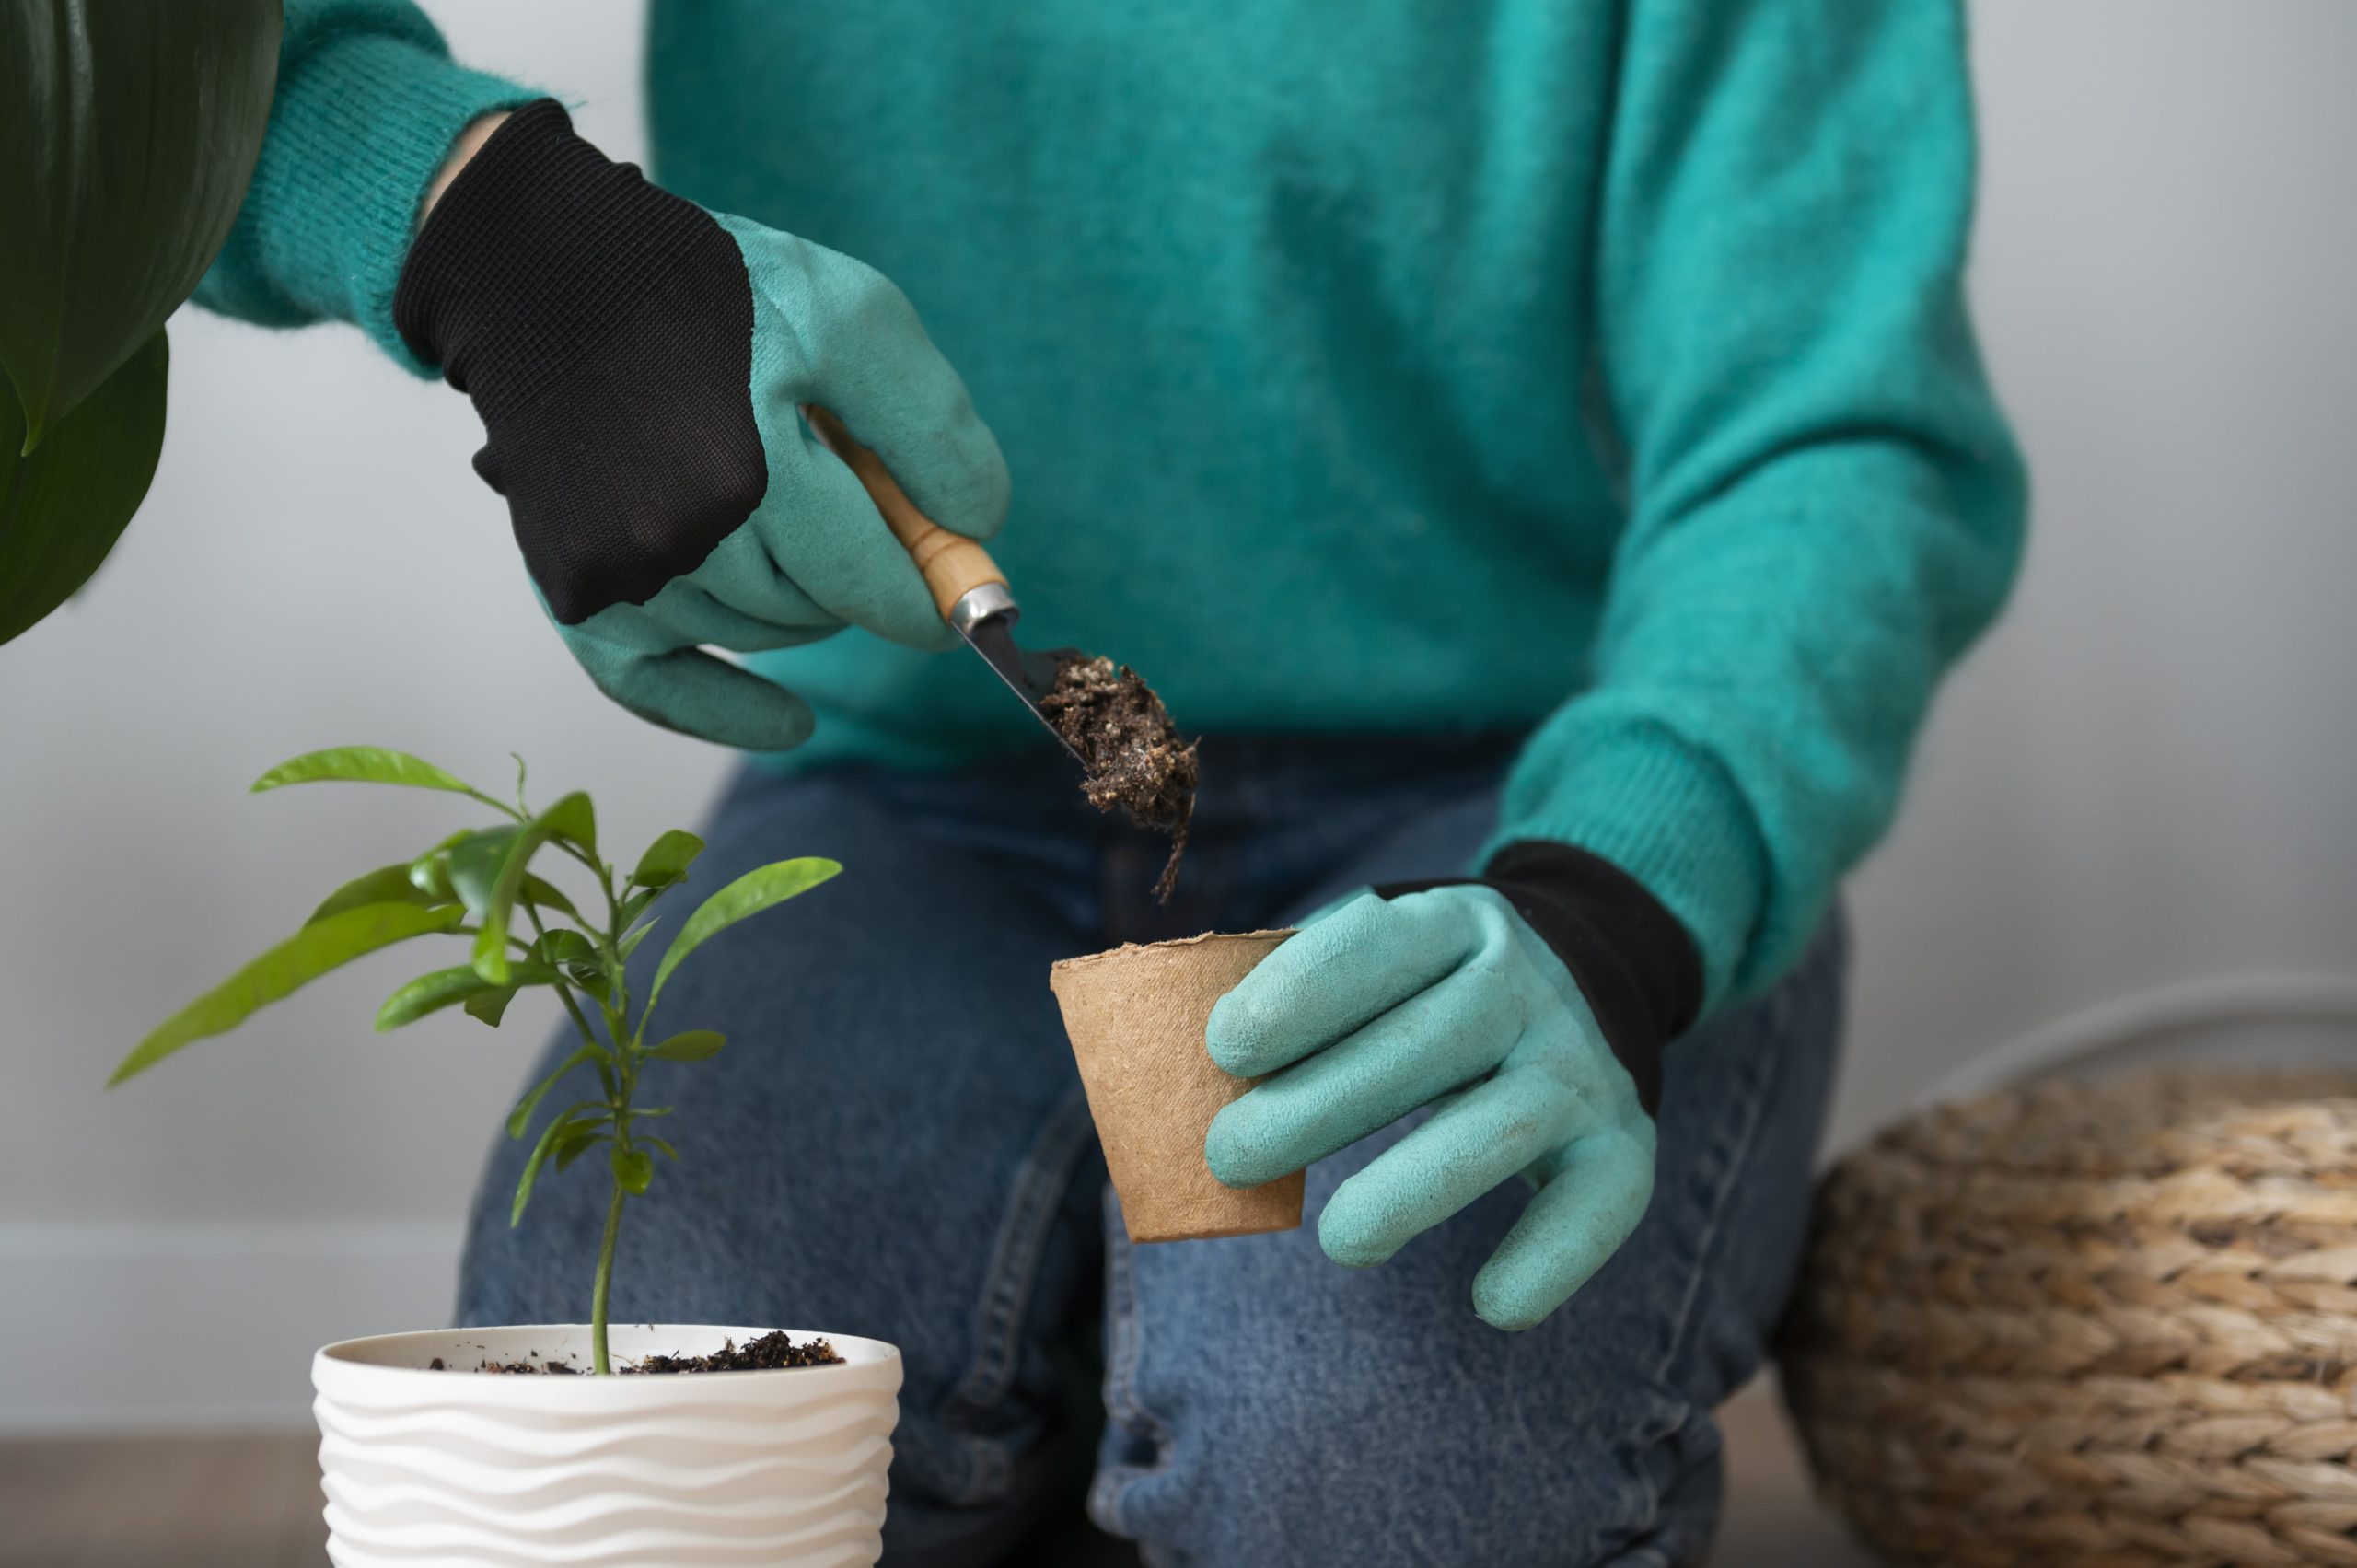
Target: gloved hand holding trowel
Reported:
point(1540, 449)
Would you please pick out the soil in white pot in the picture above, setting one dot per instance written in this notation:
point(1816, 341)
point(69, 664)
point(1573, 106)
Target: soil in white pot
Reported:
point(773, 1351)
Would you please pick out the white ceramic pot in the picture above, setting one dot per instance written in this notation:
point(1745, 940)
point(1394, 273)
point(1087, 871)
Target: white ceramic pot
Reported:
point(467, 1470)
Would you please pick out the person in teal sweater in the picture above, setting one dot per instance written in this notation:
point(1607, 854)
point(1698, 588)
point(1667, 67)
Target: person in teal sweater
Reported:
point(1539, 444)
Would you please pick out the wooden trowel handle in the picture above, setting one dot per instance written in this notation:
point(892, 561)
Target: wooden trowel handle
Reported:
point(953, 564)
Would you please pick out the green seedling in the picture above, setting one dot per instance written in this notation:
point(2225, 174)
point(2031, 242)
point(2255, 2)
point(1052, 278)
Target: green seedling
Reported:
point(476, 885)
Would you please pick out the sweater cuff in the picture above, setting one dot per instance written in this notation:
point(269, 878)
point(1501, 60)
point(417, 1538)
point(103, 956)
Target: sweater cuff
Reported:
point(1665, 813)
point(360, 124)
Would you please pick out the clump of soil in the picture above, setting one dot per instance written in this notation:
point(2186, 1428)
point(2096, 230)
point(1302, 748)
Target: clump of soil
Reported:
point(1129, 752)
point(770, 1352)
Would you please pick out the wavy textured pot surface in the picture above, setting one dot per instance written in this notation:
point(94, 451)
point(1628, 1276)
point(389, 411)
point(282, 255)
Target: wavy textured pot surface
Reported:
point(467, 1470)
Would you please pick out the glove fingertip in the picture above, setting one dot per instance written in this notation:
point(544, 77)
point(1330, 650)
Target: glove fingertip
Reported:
point(1349, 1238)
point(1246, 1146)
point(1227, 1038)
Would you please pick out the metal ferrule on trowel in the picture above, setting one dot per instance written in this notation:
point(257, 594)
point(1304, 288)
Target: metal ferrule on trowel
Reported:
point(966, 584)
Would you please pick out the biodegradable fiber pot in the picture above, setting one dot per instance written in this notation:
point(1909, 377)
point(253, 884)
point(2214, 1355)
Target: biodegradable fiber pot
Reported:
point(710, 1467)
point(1136, 1017)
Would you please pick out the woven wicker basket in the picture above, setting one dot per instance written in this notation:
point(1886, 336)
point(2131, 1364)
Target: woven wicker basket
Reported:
point(2105, 1322)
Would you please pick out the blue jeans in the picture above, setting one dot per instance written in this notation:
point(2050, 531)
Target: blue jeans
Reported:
point(895, 1145)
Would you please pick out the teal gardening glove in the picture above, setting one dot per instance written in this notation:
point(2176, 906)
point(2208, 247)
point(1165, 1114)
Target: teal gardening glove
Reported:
point(640, 365)
point(1528, 1006)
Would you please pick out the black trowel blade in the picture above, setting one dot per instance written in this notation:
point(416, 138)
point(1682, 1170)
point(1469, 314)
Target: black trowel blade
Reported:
point(1029, 675)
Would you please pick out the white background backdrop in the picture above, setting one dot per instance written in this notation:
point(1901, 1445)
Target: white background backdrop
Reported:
point(2149, 773)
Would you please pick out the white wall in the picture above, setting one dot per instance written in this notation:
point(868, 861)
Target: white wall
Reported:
point(2149, 773)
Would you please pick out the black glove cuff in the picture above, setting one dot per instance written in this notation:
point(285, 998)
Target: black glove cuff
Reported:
point(537, 250)
point(1639, 970)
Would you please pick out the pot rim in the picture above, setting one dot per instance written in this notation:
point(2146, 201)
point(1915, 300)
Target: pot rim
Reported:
point(347, 1358)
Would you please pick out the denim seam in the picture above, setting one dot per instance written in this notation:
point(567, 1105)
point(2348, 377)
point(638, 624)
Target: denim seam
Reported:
point(1123, 1404)
point(1716, 1180)
point(1721, 1182)
point(1008, 1279)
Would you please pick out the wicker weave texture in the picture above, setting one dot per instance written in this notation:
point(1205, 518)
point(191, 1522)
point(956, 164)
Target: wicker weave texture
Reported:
point(2108, 1322)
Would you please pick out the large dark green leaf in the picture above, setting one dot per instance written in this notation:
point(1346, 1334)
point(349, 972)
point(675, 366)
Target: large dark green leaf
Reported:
point(749, 895)
point(297, 961)
point(363, 764)
point(131, 130)
point(63, 507)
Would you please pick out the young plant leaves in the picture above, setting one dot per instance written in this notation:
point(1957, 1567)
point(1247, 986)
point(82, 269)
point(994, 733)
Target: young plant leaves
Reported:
point(635, 1168)
point(575, 1144)
point(652, 1141)
point(629, 943)
point(667, 859)
point(694, 1045)
point(548, 896)
point(386, 885)
point(749, 895)
point(558, 1131)
point(302, 958)
point(474, 863)
point(490, 1006)
point(572, 820)
point(521, 1117)
point(445, 988)
point(63, 507)
point(132, 132)
point(363, 764)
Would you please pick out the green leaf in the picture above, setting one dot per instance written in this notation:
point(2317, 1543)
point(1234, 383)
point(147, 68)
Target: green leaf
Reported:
point(634, 903)
point(694, 1045)
point(475, 862)
point(749, 895)
point(576, 956)
point(386, 885)
point(445, 988)
point(635, 1168)
point(362, 765)
point(629, 943)
point(521, 1117)
point(491, 1005)
point(302, 958)
point(557, 1131)
point(569, 818)
point(573, 820)
point(430, 872)
point(548, 896)
point(579, 1142)
point(649, 1138)
point(132, 132)
point(564, 946)
point(667, 859)
point(63, 507)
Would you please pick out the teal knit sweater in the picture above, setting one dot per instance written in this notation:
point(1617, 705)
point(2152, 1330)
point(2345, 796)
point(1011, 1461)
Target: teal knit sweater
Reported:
point(1590, 365)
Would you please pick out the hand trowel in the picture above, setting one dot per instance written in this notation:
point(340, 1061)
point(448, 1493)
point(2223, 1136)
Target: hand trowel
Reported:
point(967, 586)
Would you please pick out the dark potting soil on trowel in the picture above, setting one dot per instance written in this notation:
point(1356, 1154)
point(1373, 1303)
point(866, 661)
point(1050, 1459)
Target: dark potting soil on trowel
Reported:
point(771, 1353)
point(1130, 755)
